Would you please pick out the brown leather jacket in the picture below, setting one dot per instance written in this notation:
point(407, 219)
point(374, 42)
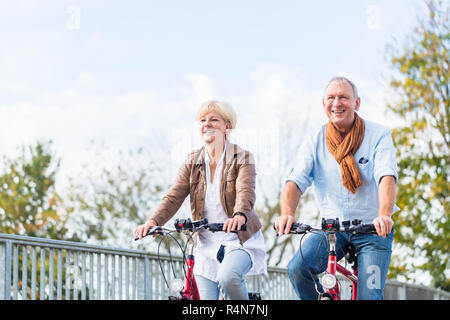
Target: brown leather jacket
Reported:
point(237, 189)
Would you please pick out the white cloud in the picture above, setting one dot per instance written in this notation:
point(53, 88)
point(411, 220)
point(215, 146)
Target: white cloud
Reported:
point(85, 79)
point(96, 39)
point(279, 99)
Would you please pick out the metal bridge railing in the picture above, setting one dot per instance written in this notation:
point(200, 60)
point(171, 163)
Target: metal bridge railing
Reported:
point(46, 269)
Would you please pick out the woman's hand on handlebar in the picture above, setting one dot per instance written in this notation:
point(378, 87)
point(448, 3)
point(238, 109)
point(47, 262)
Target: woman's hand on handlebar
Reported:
point(142, 230)
point(233, 224)
point(283, 224)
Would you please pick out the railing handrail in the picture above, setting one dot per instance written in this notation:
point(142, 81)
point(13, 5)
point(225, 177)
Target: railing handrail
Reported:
point(73, 245)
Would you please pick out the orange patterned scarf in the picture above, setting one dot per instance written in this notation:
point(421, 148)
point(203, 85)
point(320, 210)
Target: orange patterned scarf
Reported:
point(344, 149)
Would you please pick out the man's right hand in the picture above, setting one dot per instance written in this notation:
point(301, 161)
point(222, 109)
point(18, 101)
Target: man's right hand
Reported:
point(283, 224)
point(289, 201)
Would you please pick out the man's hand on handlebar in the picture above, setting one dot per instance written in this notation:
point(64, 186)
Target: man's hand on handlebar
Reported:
point(383, 225)
point(283, 224)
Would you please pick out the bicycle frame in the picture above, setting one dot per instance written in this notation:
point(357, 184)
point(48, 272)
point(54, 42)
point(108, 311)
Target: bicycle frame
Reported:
point(329, 280)
point(190, 290)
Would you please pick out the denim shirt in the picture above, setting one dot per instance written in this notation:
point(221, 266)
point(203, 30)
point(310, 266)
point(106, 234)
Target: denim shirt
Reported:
point(375, 158)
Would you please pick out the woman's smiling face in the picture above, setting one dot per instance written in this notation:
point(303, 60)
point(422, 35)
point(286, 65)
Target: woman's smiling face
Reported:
point(212, 127)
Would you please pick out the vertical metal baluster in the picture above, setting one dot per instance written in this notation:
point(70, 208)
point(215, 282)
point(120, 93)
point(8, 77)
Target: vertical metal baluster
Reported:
point(24, 272)
point(59, 274)
point(83, 275)
point(150, 280)
point(75, 275)
point(15, 271)
point(113, 277)
point(127, 279)
point(277, 286)
point(51, 273)
point(99, 277)
point(42, 277)
point(7, 271)
point(67, 269)
point(157, 281)
point(162, 284)
point(106, 282)
point(91, 276)
point(166, 267)
point(261, 284)
point(33, 273)
point(133, 275)
point(141, 281)
point(120, 277)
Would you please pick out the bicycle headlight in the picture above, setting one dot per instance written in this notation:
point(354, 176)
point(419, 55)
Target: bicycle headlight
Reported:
point(328, 281)
point(176, 285)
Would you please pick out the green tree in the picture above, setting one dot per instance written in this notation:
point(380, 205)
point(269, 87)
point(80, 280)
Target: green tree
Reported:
point(422, 82)
point(29, 203)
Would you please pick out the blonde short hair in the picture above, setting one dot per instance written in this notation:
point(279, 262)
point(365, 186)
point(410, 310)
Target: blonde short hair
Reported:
point(224, 109)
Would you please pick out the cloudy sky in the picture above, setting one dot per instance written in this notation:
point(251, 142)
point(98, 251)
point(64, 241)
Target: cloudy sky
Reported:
point(132, 73)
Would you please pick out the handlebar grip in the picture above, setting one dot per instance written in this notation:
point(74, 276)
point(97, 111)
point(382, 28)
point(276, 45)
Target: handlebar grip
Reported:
point(151, 231)
point(297, 228)
point(368, 228)
point(214, 227)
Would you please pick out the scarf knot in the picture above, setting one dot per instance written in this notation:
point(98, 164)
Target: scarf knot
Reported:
point(343, 150)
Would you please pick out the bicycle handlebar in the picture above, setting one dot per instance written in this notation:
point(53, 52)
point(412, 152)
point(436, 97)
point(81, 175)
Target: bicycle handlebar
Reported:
point(192, 226)
point(187, 224)
point(356, 227)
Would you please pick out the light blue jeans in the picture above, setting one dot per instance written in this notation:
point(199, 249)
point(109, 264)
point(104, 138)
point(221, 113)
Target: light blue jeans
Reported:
point(230, 278)
point(373, 254)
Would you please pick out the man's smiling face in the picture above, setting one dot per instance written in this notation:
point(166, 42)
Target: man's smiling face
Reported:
point(340, 105)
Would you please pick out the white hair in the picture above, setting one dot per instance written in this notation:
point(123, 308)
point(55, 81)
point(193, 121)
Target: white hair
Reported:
point(344, 79)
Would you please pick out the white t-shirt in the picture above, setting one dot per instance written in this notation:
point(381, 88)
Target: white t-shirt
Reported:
point(208, 243)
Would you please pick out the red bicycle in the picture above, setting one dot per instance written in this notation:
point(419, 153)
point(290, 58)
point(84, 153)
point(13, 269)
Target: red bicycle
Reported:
point(187, 288)
point(328, 280)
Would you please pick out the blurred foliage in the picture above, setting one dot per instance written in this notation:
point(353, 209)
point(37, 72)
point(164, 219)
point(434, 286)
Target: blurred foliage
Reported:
point(423, 144)
point(29, 203)
point(113, 194)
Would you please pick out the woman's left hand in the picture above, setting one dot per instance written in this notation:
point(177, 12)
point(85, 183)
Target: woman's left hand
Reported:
point(234, 223)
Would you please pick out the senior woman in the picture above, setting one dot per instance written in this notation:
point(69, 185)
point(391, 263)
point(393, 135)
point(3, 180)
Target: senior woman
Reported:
point(220, 179)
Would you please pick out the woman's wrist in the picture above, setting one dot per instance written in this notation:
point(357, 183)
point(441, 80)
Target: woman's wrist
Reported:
point(240, 214)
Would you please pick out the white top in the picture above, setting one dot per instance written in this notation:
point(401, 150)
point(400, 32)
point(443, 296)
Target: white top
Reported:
point(208, 243)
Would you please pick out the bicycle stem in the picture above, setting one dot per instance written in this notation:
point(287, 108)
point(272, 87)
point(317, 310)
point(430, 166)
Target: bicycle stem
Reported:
point(332, 254)
point(332, 265)
point(332, 240)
